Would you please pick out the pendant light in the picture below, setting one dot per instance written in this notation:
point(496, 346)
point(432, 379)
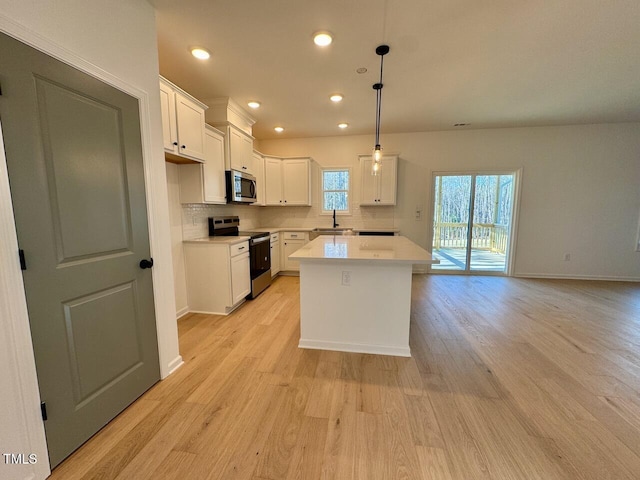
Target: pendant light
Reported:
point(376, 157)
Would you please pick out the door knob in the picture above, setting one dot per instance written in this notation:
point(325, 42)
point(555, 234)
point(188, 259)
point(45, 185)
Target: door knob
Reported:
point(144, 263)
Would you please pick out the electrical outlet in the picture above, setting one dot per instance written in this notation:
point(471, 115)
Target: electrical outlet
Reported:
point(346, 278)
point(567, 257)
point(418, 212)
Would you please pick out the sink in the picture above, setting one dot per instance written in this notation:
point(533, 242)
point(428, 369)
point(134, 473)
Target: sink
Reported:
point(330, 231)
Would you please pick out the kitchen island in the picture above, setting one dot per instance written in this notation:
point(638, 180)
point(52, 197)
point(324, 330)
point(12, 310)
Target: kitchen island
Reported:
point(355, 293)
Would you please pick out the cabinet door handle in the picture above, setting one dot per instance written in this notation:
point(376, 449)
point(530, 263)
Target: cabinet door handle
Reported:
point(183, 146)
point(240, 248)
point(175, 143)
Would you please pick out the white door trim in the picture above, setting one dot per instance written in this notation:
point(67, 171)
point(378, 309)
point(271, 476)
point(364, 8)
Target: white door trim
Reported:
point(22, 389)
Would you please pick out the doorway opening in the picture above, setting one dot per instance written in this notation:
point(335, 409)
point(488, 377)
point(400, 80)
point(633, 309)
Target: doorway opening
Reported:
point(472, 222)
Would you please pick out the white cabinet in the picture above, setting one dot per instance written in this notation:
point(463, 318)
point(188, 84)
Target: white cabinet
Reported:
point(378, 189)
point(238, 149)
point(258, 172)
point(288, 181)
point(182, 123)
point(240, 277)
point(218, 277)
point(291, 242)
point(296, 180)
point(275, 254)
point(273, 180)
point(205, 183)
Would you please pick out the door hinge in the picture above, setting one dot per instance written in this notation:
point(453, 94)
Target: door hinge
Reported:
point(43, 409)
point(23, 262)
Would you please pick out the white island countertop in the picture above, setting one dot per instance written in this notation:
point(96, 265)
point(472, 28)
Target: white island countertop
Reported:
point(363, 249)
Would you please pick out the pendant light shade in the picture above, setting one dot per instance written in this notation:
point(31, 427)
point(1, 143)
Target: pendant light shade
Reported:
point(376, 157)
point(376, 160)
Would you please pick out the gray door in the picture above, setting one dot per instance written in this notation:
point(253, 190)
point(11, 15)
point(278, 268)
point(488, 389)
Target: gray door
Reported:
point(74, 156)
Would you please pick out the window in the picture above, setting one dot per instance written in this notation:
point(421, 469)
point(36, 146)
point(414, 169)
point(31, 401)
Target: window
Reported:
point(335, 189)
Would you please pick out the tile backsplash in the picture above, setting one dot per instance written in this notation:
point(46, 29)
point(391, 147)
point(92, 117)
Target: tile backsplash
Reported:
point(195, 217)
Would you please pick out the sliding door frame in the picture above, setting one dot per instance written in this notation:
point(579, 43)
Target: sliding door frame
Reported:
point(513, 227)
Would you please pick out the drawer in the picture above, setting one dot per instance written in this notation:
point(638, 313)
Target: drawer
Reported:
point(275, 237)
point(294, 235)
point(239, 248)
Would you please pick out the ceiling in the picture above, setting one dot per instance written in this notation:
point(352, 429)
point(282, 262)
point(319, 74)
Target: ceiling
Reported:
point(503, 63)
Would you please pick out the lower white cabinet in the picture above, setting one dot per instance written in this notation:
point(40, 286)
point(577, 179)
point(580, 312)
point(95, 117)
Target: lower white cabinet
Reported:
point(275, 254)
point(240, 279)
point(218, 278)
point(292, 241)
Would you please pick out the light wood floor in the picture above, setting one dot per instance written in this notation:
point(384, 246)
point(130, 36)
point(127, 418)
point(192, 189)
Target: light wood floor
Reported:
point(509, 379)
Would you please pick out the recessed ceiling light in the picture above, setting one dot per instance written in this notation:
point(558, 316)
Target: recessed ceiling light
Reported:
point(279, 129)
point(361, 70)
point(200, 53)
point(343, 125)
point(254, 104)
point(336, 97)
point(322, 39)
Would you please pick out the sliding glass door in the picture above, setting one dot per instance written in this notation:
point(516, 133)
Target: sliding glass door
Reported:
point(472, 221)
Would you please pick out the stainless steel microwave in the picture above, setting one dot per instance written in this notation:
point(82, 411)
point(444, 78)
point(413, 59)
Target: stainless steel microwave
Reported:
point(241, 187)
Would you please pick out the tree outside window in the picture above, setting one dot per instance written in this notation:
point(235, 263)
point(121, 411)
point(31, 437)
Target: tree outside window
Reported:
point(335, 190)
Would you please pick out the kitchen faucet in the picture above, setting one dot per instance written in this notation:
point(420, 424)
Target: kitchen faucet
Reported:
point(334, 219)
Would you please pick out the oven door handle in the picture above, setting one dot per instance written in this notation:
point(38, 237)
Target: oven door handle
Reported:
point(260, 240)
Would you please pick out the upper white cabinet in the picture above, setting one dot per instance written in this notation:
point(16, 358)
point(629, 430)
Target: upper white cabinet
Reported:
point(378, 189)
point(205, 183)
point(273, 180)
point(296, 180)
point(258, 172)
point(182, 122)
point(227, 115)
point(238, 150)
point(288, 181)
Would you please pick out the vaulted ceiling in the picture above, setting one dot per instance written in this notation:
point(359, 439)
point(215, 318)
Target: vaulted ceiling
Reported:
point(503, 63)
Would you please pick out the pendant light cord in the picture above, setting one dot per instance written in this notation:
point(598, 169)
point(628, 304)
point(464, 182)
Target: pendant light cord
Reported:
point(379, 102)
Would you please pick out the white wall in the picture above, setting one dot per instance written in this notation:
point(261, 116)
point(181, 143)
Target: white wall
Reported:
point(115, 41)
point(580, 188)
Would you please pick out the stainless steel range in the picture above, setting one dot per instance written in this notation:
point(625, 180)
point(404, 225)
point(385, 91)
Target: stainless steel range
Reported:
point(259, 250)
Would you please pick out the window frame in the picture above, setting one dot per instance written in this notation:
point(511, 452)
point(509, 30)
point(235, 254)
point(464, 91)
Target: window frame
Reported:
point(338, 168)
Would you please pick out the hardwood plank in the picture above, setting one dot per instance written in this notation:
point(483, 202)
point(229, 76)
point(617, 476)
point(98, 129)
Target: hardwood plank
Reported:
point(433, 463)
point(509, 378)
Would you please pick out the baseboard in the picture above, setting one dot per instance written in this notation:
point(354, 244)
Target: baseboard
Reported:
point(182, 312)
point(289, 273)
point(577, 277)
point(174, 365)
point(355, 348)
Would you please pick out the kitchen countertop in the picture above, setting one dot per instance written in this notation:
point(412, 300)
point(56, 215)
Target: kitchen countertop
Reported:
point(219, 240)
point(310, 229)
point(282, 229)
point(369, 249)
